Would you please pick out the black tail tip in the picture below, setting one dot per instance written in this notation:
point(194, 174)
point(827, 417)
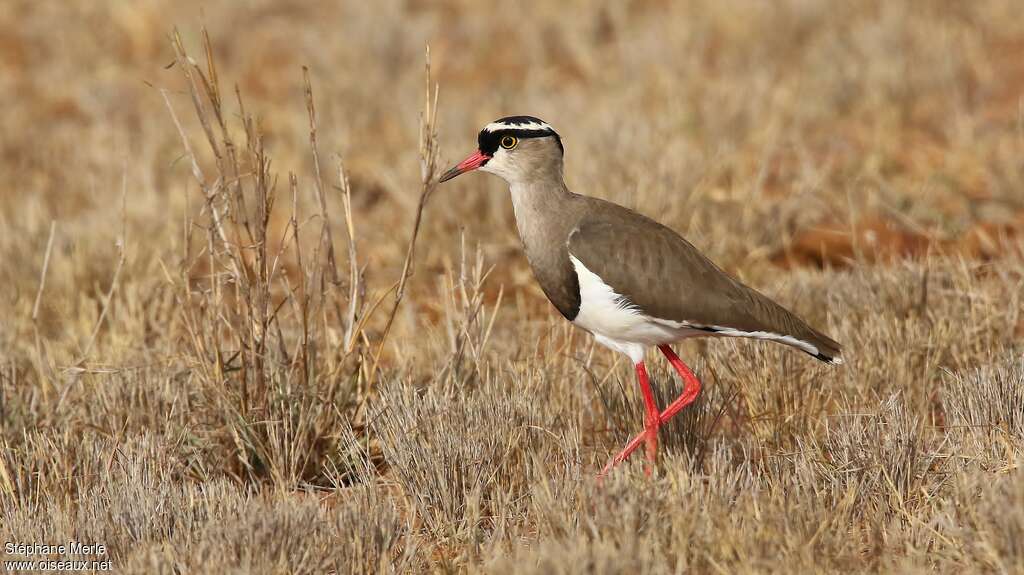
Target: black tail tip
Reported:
point(833, 359)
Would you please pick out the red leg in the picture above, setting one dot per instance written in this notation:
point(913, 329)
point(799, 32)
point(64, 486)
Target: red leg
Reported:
point(691, 388)
point(652, 421)
point(691, 385)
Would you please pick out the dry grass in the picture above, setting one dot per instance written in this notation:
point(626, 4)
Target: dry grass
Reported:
point(203, 365)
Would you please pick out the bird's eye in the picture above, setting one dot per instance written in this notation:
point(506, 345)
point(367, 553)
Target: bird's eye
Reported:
point(509, 142)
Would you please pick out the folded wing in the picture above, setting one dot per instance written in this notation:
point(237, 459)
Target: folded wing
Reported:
point(668, 279)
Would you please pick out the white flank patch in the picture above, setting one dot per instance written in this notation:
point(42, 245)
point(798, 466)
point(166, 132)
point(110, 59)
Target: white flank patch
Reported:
point(533, 126)
point(618, 325)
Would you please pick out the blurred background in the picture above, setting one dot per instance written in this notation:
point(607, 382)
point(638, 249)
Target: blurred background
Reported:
point(797, 133)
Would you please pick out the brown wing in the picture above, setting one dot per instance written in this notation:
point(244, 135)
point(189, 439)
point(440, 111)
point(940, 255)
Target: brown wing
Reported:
point(667, 278)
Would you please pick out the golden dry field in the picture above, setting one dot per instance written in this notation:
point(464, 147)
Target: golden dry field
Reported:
point(218, 353)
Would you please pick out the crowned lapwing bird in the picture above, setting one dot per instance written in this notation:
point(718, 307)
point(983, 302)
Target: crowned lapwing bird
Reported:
point(628, 280)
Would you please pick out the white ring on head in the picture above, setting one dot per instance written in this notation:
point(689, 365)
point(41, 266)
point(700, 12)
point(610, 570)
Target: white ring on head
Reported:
point(531, 126)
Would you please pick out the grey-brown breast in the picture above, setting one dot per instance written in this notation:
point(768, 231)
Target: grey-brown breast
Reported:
point(666, 277)
point(545, 216)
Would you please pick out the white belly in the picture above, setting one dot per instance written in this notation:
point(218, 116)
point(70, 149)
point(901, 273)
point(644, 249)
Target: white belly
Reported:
point(618, 325)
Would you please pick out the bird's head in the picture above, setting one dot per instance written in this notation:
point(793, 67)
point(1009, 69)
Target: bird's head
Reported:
point(517, 149)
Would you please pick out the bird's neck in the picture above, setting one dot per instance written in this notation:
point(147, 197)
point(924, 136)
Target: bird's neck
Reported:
point(537, 201)
point(544, 215)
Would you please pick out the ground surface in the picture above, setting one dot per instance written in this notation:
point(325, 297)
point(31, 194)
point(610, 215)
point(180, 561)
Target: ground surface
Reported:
point(195, 388)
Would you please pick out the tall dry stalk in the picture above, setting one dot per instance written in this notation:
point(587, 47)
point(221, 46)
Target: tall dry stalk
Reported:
point(428, 171)
point(258, 309)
